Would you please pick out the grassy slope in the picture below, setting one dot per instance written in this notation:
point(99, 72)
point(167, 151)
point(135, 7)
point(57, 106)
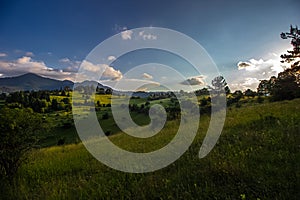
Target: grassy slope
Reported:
point(257, 156)
point(57, 119)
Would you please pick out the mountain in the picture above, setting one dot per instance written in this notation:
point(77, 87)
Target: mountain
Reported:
point(92, 83)
point(31, 81)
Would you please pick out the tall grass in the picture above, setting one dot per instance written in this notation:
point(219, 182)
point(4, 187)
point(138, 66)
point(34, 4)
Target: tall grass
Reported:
point(256, 157)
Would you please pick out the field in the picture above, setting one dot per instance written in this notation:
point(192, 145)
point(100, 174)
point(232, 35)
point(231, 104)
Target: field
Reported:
point(256, 157)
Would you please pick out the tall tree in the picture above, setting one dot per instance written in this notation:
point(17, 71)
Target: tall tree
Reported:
point(287, 83)
point(219, 83)
point(293, 56)
point(285, 88)
point(265, 87)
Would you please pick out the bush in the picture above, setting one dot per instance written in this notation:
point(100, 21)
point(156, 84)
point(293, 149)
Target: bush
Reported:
point(18, 137)
point(105, 115)
point(260, 99)
point(61, 141)
point(107, 133)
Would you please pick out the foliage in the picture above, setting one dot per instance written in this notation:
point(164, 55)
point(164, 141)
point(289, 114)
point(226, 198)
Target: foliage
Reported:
point(18, 137)
point(105, 115)
point(219, 84)
point(257, 157)
point(265, 87)
point(250, 93)
point(287, 84)
point(285, 87)
point(294, 34)
point(203, 91)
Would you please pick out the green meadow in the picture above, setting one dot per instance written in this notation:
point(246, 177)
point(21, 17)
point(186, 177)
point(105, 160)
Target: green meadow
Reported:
point(256, 157)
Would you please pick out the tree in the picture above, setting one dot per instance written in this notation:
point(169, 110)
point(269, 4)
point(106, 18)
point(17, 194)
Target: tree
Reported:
point(294, 34)
point(66, 100)
point(238, 94)
point(203, 91)
point(293, 55)
point(63, 93)
point(98, 103)
point(100, 90)
point(285, 88)
point(249, 93)
point(108, 91)
point(105, 115)
point(219, 83)
point(287, 84)
point(54, 104)
point(18, 137)
point(265, 87)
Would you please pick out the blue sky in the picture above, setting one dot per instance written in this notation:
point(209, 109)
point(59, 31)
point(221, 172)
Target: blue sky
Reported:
point(58, 35)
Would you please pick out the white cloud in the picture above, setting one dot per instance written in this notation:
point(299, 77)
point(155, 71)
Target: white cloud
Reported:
point(117, 28)
point(131, 84)
point(250, 81)
point(25, 60)
point(147, 76)
point(25, 65)
point(126, 35)
point(3, 54)
point(111, 58)
point(30, 54)
point(65, 60)
point(198, 80)
point(146, 36)
point(112, 73)
point(261, 66)
point(106, 70)
point(70, 66)
point(250, 73)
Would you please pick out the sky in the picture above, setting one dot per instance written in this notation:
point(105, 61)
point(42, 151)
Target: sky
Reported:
point(54, 38)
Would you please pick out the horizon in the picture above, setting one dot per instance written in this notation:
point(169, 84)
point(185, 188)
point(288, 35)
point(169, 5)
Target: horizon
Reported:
point(98, 82)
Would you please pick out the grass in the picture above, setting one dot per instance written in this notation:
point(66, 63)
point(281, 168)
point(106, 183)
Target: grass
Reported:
point(80, 98)
point(58, 119)
point(256, 157)
point(2, 103)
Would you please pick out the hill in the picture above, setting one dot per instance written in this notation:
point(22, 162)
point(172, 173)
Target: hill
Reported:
point(256, 157)
point(31, 81)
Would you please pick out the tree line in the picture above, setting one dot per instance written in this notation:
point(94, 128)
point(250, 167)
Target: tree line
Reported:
point(38, 101)
point(286, 85)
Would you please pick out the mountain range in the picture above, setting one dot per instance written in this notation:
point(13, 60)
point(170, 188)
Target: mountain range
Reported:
point(32, 81)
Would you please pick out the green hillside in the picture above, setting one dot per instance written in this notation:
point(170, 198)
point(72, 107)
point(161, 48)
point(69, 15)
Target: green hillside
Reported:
point(256, 157)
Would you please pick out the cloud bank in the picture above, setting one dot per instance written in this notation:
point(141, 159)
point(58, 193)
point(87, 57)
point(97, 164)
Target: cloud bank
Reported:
point(249, 73)
point(26, 64)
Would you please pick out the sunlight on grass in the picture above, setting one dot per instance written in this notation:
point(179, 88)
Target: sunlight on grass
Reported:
point(257, 155)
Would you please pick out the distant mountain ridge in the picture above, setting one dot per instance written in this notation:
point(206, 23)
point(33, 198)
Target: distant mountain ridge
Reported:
point(31, 81)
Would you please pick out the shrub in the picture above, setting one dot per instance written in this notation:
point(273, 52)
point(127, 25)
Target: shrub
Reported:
point(105, 115)
point(18, 137)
